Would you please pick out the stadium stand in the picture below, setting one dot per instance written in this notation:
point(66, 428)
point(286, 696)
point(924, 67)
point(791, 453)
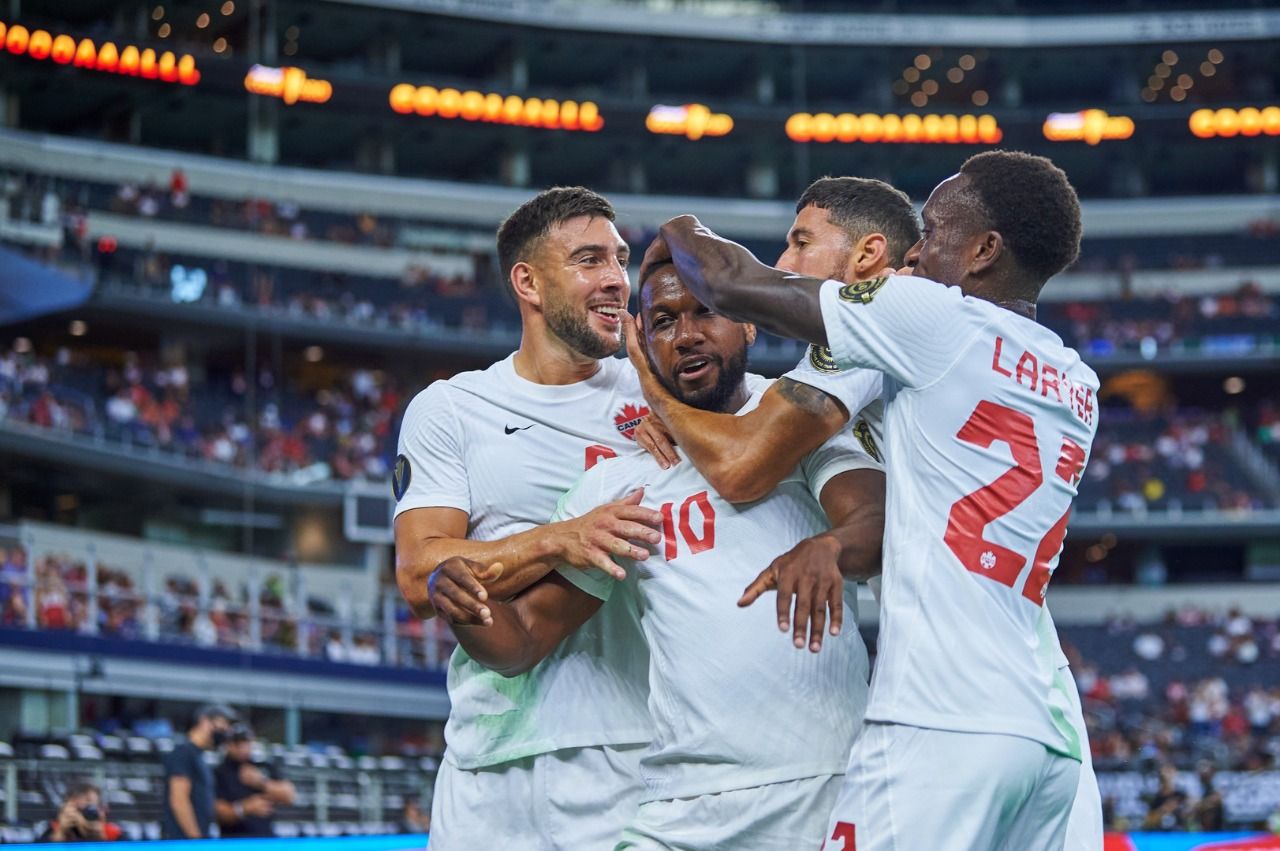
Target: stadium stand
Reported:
point(193, 462)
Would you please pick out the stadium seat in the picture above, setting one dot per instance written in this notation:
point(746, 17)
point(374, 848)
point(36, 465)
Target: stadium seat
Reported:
point(52, 751)
point(6, 750)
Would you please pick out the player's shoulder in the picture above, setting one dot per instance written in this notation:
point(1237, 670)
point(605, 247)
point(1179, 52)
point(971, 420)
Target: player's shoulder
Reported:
point(442, 392)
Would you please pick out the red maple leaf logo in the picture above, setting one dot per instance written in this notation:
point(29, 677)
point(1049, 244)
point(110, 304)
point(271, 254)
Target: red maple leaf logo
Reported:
point(628, 418)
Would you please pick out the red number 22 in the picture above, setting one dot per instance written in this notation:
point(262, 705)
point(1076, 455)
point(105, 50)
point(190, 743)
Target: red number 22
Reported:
point(971, 514)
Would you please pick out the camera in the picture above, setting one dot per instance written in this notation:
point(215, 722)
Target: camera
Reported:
point(90, 813)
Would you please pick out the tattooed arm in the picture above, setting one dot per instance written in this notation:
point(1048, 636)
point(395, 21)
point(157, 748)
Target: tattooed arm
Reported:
point(745, 457)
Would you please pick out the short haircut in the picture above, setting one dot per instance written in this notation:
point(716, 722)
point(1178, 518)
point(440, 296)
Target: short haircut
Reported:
point(83, 787)
point(862, 206)
point(1031, 204)
point(520, 234)
point(213, 710)
point(652, 272)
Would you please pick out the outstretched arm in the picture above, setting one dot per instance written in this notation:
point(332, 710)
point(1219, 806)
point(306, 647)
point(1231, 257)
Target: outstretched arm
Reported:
point(512, 637)
point(809, 578)
point(426, 537)
point(729, 279)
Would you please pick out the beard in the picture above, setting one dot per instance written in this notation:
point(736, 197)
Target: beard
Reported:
point(716, 397)
point(572, 324)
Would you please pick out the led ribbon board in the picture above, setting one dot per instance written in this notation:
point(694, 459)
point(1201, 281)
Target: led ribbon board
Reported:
point(290, 84)
point(1225, 123)
point(692, 120)
point(126, 61)
point(1090, 126)
point(493, 108)
point(872, 128)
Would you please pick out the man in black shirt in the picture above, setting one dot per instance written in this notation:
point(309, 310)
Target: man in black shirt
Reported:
point(247, 794)
point(188, 802)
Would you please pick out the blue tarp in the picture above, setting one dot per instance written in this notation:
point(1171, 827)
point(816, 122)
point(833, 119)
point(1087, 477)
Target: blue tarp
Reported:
point(29, 289)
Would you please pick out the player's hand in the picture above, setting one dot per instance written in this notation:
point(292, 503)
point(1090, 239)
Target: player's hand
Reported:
point(457, 592)
point(652, 436)
point(619, 528)
point(655, 255)
point(906, 271)
point(807, 577)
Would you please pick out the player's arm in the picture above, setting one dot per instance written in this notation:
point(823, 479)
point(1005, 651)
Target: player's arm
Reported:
point(511, 637)
point(426, 538)
point(742, 457)
point(809, 578)
point(729, 279)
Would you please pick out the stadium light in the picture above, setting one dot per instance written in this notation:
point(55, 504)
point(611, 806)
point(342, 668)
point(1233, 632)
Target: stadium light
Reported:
point(493, 108)
point(692, 120)
point(1226, 122)
point(290, 84)
point(126, 61)
point(1090, 126)
point(872, 128)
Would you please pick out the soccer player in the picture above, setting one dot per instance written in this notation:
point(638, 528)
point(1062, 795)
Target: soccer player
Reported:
point(751, 736)
point(484, 457)
point(846, 229)
point(989, 421)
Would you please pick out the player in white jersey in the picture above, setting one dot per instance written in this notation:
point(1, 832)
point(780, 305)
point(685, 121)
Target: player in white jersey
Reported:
point(750, 736)
point(847, 229)
point(484, 457)
point(989, 421)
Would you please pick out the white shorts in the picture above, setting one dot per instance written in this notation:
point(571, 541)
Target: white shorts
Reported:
point(911, 788)
point(577, 799)
point(775, 817)
point(1084, 829)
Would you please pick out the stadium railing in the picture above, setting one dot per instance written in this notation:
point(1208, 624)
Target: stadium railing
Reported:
point(92, 584)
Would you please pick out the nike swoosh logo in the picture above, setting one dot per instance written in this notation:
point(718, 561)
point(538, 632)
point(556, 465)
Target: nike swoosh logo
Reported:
point(510, 430)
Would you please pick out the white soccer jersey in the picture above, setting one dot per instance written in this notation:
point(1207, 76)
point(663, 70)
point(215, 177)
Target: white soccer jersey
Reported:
point(734, 703)
point(504, 450)
point(990, 419)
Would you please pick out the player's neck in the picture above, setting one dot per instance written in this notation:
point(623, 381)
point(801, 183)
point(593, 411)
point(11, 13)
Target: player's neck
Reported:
point(543, 360)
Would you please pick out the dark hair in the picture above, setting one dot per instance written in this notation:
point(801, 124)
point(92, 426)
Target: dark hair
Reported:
point(519, 234)
point(861, 206)
point(1031, 204)
point(213, 710)
point(83, 787)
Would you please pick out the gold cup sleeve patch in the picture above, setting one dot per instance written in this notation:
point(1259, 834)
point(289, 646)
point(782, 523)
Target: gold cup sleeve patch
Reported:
point(821, 359)
point(400, 477)
point(863, 291)
point(862, 431)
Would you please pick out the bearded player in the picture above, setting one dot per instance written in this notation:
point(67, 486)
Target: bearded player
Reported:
point(847, 229)
point(750, 737)
point(483, 459)
point(989, 421)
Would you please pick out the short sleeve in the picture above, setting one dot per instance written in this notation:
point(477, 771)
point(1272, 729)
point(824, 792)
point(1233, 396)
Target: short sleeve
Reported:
point(430, 470)
point(587, 493)
point(852, 388)
point(842, 452)
point(911, 329)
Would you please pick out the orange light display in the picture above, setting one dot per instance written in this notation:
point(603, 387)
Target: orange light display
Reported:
point(1250, 121)
point(126, 61)
point(1090, 126)
point(494, 108)
point(692, 120)
point(289, 84)
point(872, 128)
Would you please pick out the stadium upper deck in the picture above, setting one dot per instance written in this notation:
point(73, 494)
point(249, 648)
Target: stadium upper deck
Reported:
point(688, 101)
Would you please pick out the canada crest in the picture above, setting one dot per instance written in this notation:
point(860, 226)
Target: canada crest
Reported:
point(628, 418)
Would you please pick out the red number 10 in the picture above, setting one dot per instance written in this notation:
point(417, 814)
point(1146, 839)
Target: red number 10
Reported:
point(971, 514)
point(696, 543)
